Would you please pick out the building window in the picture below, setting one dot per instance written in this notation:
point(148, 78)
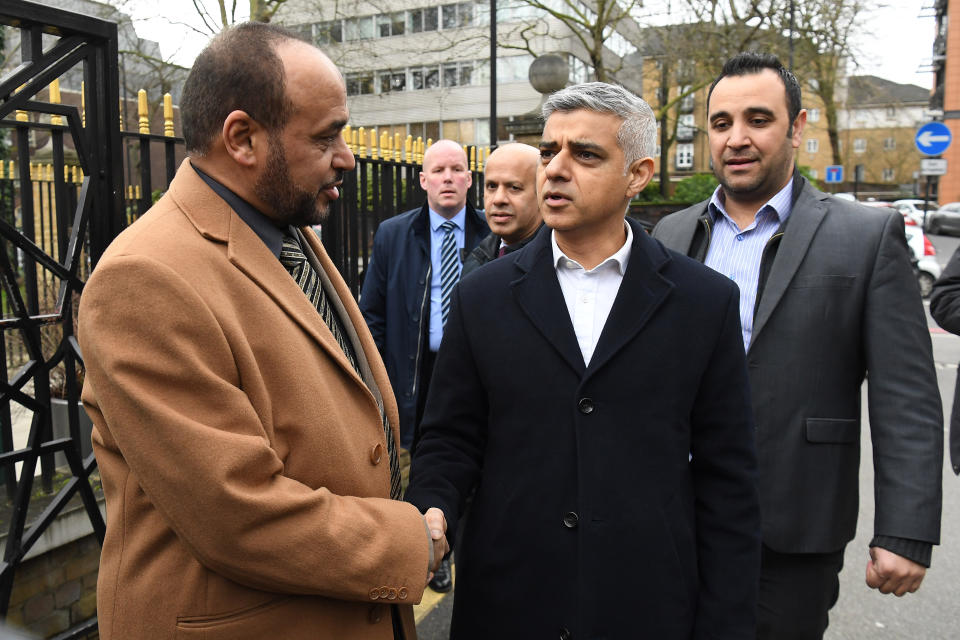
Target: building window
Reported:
point(813, 145)
point(684, 156)
point(425, 78)
point(813, 115)
point(685, 127)
point(358, 28)
point(814, 174)
point(888, 175)
point(889, 144)
point(891, 112)
point(424, 19)
point(450, 75)
point(328, 32)
point(392, 81)
point(859, 145)
point(391, 24)
point(359, 84)
point(686, 103)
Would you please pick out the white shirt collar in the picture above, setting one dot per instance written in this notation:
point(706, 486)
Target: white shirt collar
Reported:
point(618, 260)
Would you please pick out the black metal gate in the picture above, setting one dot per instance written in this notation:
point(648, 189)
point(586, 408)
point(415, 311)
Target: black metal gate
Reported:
point(49, 242)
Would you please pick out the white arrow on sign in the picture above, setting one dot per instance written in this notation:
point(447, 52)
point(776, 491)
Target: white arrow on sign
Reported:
point(927, 138)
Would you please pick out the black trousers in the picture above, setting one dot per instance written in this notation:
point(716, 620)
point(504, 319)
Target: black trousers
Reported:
point(426, 373)
point(797, 590)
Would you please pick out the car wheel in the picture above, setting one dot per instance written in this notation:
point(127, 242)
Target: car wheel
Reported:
point(933, 228)
point(925, 280)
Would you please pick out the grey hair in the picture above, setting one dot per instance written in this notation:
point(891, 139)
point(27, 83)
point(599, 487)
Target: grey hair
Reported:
point(637, 136)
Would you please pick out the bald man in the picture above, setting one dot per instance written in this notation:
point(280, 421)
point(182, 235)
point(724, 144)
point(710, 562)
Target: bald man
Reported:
point(408, 282)
point(509, 202)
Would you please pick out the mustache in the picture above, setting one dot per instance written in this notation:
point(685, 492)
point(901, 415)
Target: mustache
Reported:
point(338, 178)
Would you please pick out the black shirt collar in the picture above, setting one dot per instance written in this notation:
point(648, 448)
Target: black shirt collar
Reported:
point(263, 226)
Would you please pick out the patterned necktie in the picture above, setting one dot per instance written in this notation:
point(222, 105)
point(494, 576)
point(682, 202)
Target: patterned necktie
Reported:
point(295, 262)
point(449, 267)
point(502, 252)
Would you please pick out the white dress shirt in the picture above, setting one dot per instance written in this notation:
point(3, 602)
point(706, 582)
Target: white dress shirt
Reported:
point(590, 294)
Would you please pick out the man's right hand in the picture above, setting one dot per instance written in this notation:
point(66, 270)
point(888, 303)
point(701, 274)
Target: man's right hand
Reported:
point(437, 525)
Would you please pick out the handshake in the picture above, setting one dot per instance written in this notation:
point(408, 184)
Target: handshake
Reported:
point(437, 526)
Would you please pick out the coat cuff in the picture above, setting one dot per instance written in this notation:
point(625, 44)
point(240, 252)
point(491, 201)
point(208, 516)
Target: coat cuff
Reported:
point(916, 550)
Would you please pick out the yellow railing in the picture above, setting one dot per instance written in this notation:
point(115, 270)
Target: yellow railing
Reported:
point(367, 144)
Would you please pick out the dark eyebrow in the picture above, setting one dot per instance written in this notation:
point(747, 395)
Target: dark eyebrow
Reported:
point(763, 111)
point(586, 145)
point(547, 144)
point(718, 114)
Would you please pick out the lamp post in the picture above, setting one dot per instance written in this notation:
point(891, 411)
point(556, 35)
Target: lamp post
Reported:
point(493, 73)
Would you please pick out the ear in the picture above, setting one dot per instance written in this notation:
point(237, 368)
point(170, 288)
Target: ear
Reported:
point(640, 173)
point(798, 125)
point(423, 180)
point(243, 138)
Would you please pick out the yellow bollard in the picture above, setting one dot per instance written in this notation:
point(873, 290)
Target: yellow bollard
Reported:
point(385, 145)
point(168, 115)
point(362, 149)
point(373, 145)
point(408, 149)
point(55, 99)
point(142, 112)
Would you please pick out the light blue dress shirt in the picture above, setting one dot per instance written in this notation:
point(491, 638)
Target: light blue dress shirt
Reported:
point(736, 252)
point(436, 237)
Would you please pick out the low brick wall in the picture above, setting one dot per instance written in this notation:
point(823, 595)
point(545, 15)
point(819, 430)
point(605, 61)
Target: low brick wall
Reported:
point(57, 590)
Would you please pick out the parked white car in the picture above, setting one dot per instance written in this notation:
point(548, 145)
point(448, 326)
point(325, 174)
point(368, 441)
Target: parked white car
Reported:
point(913, 208)
point(924, 253)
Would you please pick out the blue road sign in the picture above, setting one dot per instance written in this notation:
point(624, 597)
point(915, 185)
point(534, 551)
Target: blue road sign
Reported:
point(834, 174)
point(933, 138)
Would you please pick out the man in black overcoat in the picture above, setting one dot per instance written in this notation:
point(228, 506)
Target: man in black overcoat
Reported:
point(595, 394)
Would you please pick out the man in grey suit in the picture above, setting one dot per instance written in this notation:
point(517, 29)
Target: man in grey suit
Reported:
point(827, 296)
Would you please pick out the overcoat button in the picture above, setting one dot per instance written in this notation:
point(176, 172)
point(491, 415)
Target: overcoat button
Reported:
point(570, 520)
point(392, 595)
point(402, 593)
point(586, 406)
point(374, 593)
point(376, 454)
point(375, 614)
point(384, 592)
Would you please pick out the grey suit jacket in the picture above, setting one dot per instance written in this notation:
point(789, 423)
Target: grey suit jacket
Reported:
point(838, 302)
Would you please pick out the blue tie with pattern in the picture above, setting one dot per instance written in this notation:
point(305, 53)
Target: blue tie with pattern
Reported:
point(449, 267)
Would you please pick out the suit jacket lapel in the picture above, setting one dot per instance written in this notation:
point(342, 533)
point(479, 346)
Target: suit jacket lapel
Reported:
point(538, 294)
point(641, 293)
point(216, 221)
point(805, 217)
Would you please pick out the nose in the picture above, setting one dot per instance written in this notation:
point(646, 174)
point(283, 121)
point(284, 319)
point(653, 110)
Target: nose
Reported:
point(557, 168)
point(342, 156)
point(738, 136)
point(500, 195)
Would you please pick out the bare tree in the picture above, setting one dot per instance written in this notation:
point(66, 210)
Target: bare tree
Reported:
point(824, 31)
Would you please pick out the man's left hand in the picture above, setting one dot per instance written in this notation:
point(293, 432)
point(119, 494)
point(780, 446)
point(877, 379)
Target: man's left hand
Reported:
point(894, 574)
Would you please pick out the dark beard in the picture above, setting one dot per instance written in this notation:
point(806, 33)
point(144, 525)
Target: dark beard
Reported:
point(292, 206)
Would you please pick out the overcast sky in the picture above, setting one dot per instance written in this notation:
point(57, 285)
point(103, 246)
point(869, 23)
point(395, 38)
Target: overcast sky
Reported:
point(895, 43)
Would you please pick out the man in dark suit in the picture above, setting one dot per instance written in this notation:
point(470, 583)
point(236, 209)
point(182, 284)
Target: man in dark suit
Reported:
point(827, 295)
point(945, 309)
point(594, 392)
point(406, 291)
point(509, 203)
